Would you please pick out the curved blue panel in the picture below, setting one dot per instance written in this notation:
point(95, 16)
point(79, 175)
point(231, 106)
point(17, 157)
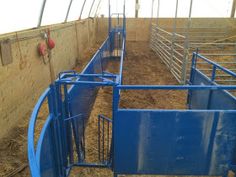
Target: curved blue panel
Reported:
point(45, 153)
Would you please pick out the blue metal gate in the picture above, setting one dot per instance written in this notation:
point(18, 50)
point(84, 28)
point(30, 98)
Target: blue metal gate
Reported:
point(198, 141)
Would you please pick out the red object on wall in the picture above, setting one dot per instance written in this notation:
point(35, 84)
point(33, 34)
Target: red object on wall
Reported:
point(42, 49)
point(50, 42)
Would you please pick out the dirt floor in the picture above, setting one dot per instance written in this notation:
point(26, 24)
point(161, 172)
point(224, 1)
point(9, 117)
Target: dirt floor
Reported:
point(13, 148)
point(141, 66)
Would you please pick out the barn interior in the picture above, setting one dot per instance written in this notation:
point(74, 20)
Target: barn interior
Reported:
point(50, 37)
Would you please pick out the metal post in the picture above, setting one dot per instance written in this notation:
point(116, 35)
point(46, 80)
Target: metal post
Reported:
point(91, 8)
point(124, 19)
point(41, 13)
point(152, 9)
point(115, 106)
point(156, 29)
point(150, 25)
point(68, 10)
point(109, 17)
point(233, 9)
point(158, 10)
point(136, 8)
point(186, 45)
point(173, 36)
point(81, 12)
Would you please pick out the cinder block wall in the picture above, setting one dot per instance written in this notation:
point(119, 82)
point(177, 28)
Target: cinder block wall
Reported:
point(25, 79)
point(138, 29)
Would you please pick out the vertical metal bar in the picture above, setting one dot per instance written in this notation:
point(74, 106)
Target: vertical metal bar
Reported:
point(136, 8)
point(115, 103)
point(99, 157)
point(124, 18)
point(68, 126)
point(193, 66)
point(81, 12)
point(64, 123)
point(103, 139)
point(41, 13)
point(107, 140)
point(150, 25)
point(68, 10)
point(56, 135)
point(109, 16)
point(211, 91)
point(213, 75)
point(233, 9)
point(84, 139)
point(152, 9)
point(186, 45)
point(118, 18)
point(173, 36)
point(91, 8)
point(60, 127)
point(158, 10)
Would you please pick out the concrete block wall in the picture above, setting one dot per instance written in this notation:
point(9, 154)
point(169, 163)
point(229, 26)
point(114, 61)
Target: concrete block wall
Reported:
point(25, 79)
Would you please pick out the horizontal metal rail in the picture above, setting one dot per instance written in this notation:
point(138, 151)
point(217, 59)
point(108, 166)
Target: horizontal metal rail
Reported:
point(172, 53)
point(215, 64)
point(176, 52)
point(176, 87)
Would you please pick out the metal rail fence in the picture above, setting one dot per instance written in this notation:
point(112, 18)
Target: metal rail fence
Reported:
point(172, 53)
point(175, 50)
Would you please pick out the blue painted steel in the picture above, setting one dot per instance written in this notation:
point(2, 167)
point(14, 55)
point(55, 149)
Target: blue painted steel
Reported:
point(176, 87)
point(69, 112)
point(199, 56)
point(173, 142)
point(45, 154)
point(34, 166)
point(178, 142)
point(81, 96)
point(198, 141)
point(44, 160)
point(209, 99)
point(104, 143)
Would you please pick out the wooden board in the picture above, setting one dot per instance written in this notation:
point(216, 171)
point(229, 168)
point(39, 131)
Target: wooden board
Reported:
point(6, 53)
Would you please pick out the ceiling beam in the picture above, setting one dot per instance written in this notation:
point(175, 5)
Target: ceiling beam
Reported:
point(97, 8)
point(41, 13)
point(91, 8)
point(233, 9)
point(81, 12)
point(136, 8)
point(68, 10)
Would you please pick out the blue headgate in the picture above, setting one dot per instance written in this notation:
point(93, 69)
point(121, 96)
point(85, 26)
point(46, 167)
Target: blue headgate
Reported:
point(200, 140)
